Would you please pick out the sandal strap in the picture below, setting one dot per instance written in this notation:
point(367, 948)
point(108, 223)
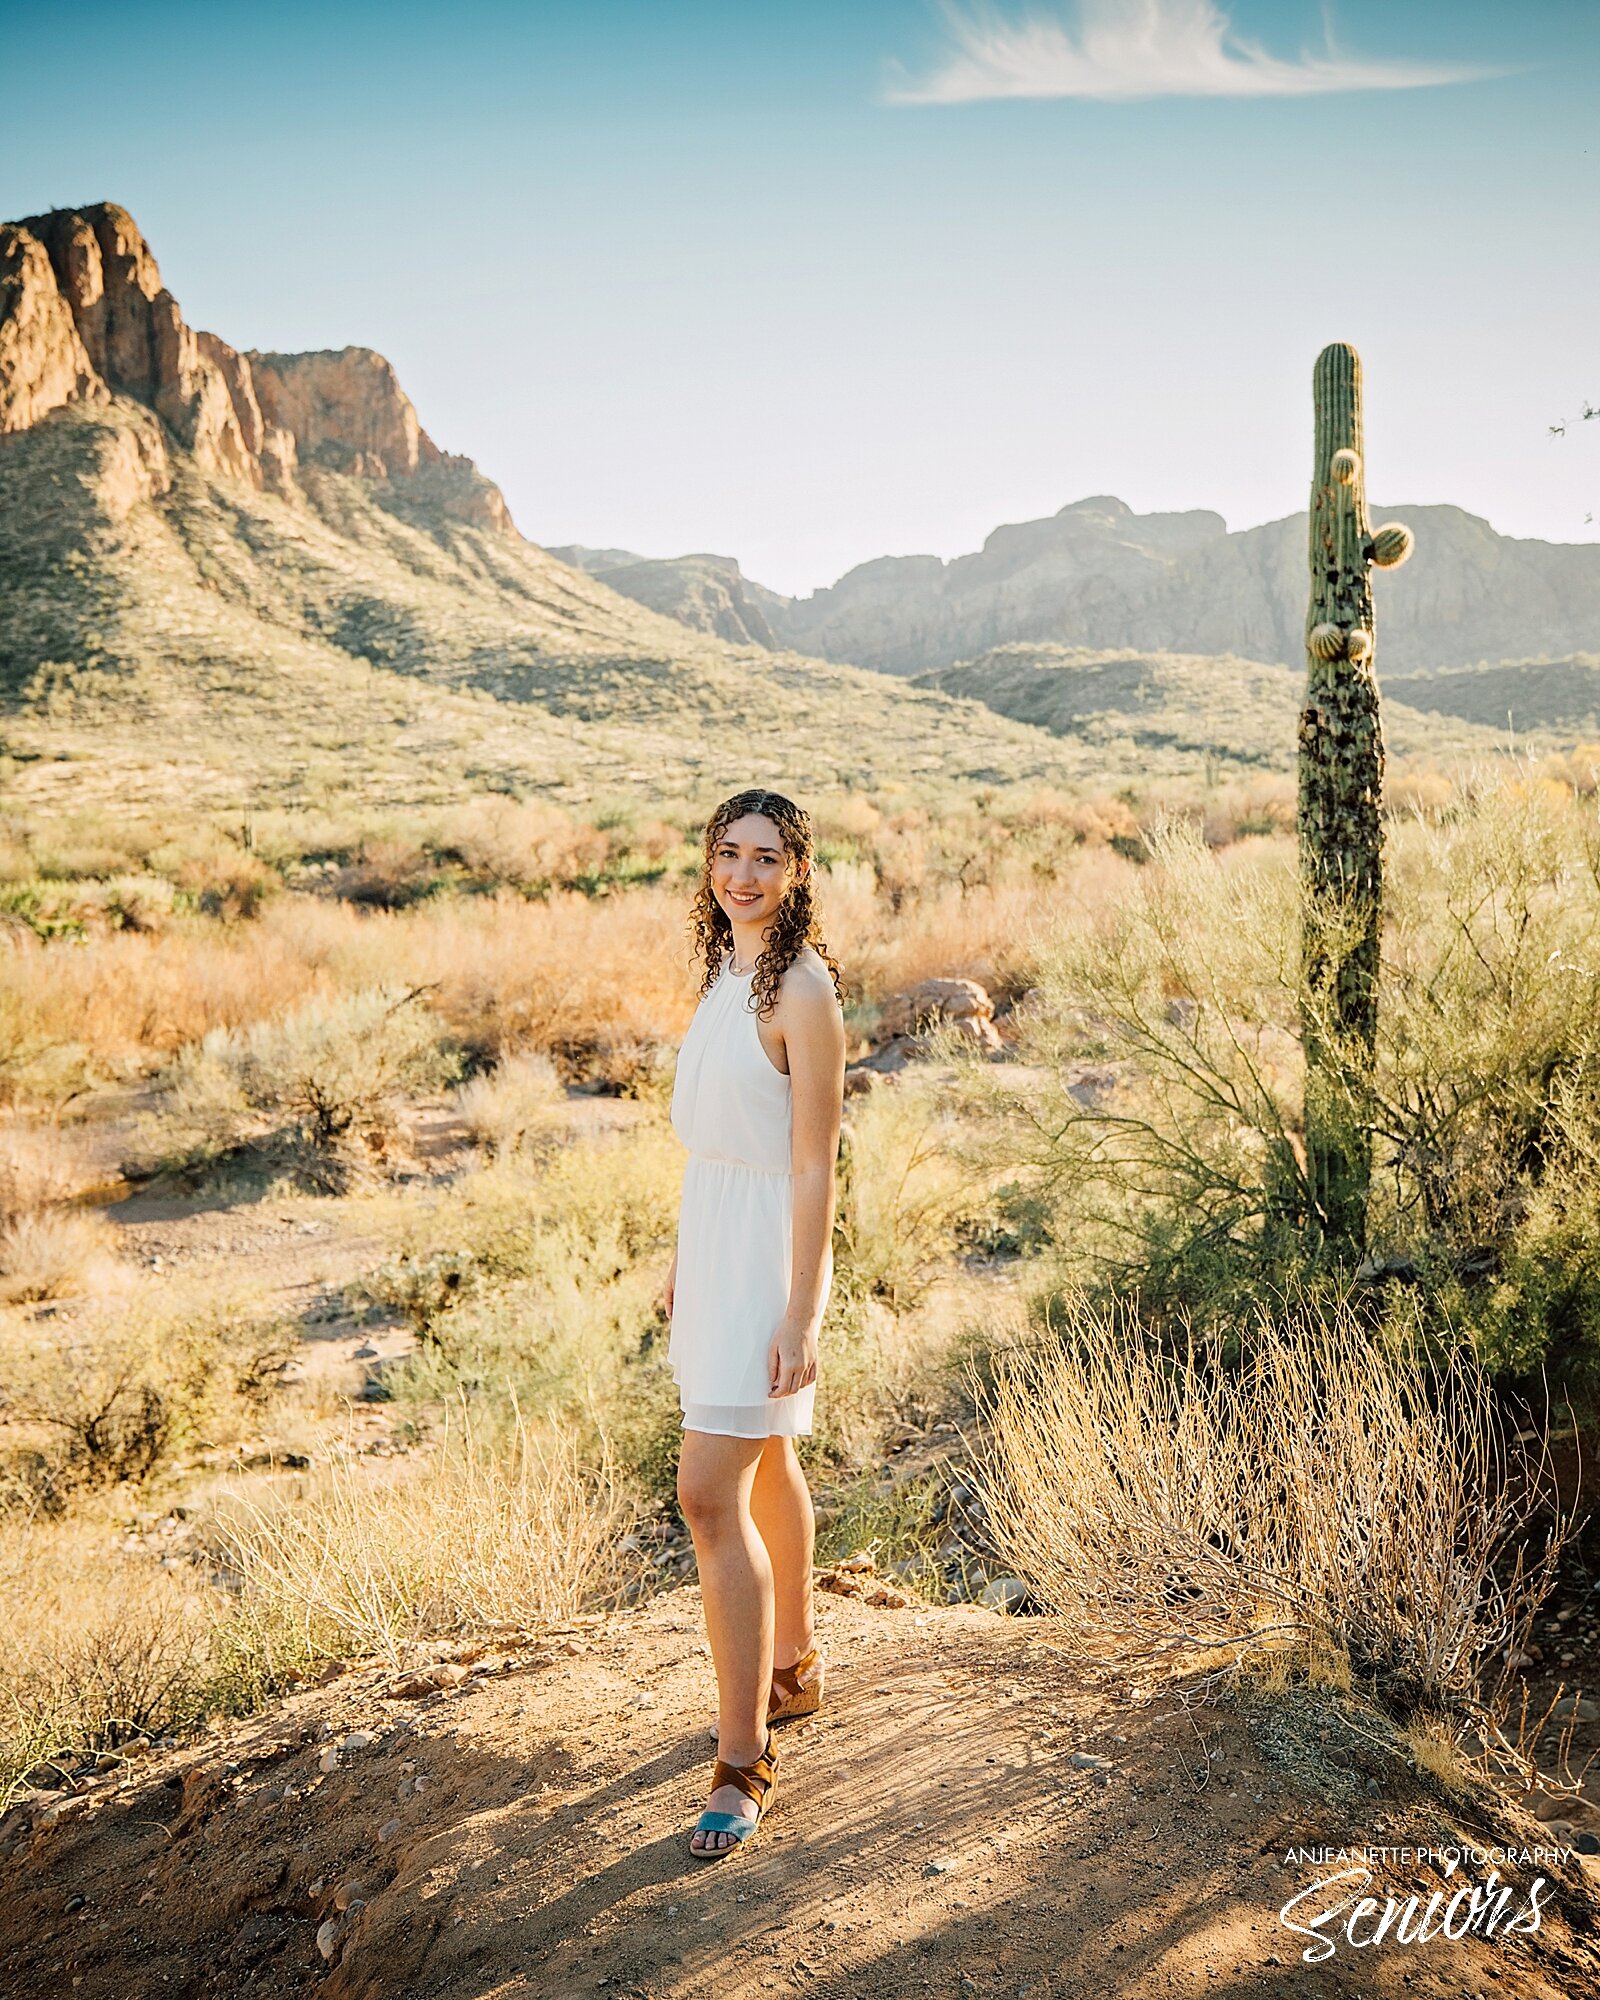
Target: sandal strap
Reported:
point(791, 1679)
point(746, 1777)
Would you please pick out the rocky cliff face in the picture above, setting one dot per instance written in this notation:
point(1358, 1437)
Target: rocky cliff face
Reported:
point(84, 317)
point(1098, 575)
point(706, 593)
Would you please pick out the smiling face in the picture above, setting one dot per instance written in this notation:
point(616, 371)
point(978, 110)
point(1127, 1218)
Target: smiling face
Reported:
point(750, 871)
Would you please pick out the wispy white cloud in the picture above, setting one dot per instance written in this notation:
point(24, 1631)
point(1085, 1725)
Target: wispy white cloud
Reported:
point(1124, 49)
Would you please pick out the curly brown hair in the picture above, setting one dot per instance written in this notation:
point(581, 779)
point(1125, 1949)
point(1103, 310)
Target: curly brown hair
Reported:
point(797, 923)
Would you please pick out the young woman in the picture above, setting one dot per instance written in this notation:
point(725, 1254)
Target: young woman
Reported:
point(757, 1101)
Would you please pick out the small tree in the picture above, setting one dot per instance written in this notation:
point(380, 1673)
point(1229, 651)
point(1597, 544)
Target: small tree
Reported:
point(1340, 811)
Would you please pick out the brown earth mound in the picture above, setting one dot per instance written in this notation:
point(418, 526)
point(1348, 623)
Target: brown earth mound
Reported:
point(968, 1815)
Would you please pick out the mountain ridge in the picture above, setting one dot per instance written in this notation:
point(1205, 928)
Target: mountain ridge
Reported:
point(237, 579)
point(1095, 574)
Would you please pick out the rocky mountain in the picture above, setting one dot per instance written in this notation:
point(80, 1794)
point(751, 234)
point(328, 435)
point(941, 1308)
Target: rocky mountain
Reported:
point(1098, 575)
point(235, 578)
point(706, 593)
point(85, 318)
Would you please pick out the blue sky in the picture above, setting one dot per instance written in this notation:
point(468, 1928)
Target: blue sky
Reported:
point(810, 283)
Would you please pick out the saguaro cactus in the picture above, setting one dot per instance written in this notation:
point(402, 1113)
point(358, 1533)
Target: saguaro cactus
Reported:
point(1341, 804)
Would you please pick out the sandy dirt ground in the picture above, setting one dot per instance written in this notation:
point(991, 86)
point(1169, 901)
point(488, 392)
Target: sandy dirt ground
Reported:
point(969, 1814)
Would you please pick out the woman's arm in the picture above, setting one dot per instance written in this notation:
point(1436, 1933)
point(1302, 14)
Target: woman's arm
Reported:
point(813, 1034)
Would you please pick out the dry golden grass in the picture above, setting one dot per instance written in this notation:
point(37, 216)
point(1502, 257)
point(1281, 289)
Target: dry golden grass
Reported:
point(57, 1254)
point(1327, 1491)
point(97, 1646)
point(590, 979)
point(479, 1536)
point(49, 1250)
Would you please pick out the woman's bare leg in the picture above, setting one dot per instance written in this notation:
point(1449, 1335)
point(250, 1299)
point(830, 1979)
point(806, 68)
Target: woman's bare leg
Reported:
point(715, 1476)
point(780, 1505)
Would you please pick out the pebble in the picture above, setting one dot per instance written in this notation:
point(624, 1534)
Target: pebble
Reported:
point(389, 1829)
point(941, 1866)
point(1578, 1705)
point(74, 1903)
point(358, 1739)
point(329, 1759)
point(1085, 1760)
point(1587, 1843)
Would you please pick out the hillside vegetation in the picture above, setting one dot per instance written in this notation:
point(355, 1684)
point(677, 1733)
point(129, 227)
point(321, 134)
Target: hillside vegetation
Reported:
point(1168, 710)
point(202, 606)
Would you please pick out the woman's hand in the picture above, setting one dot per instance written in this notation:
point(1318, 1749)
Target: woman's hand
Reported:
point(671, 1285)
point(792, 1356)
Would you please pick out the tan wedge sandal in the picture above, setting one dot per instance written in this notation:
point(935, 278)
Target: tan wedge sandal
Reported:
point(795, 1690)
point(756, 1781)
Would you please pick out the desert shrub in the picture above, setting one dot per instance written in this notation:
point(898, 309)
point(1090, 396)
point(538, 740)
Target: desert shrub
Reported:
point(1330, 1490)
point(489, 1532)
point(56, 1254)
point(1160, 1136)
point(904, 1192)
point(1165, 1132)
point(389, 872)
point(527, 844)
point(41, 1166)
point(103, 1402)
point(47, 1249)
point(895, 1522)
point(1489, 1022)
point(227, 882)
point(90, 845)
point(97, 1648)
point(540, 1279)
point(520, 1102)
point(1534, 1303)
point(321, 1090)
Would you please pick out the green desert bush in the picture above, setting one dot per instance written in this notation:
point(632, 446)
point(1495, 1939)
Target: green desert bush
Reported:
point(1163, 1128)
point(108, 1401)
point(541, 1279)
point(1157, 1135)
point(905, 1191)
point(321, 1090)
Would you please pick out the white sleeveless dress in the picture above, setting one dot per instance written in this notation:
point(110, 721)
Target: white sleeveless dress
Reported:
point(734, 1111)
